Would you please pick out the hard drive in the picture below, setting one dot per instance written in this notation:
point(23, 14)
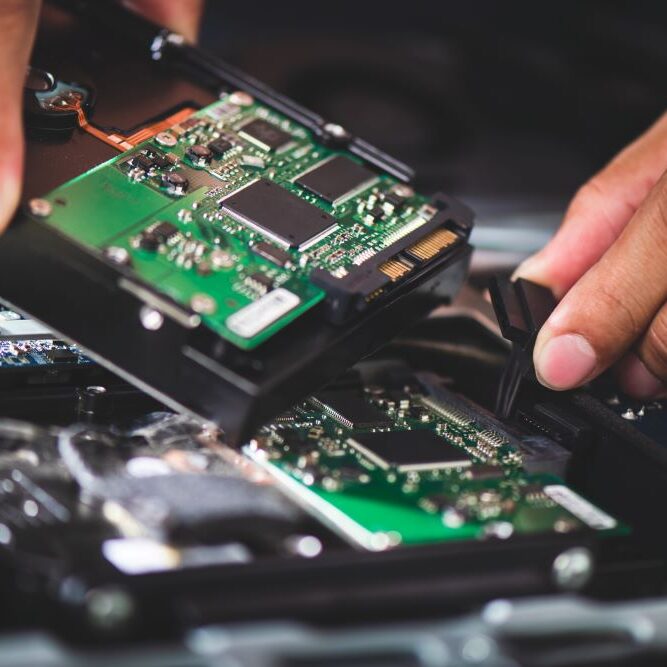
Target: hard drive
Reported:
point(202, 236)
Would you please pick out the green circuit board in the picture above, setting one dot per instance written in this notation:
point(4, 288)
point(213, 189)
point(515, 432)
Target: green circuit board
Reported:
point(25, 345)
point(388, 469)
point(230, 212)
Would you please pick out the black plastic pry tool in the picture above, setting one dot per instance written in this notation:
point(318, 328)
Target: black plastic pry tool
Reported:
point(521, 307)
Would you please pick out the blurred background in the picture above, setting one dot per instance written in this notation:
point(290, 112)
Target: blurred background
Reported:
point(509, 106)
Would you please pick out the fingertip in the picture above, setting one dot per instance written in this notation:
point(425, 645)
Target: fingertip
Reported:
point(637, 381)
point(538, 269)
point(533, 268)
point(564, 361)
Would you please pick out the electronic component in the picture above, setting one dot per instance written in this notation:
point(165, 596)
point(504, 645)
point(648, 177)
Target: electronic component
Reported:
point(419, 476)
point(141, 161)
point(156, 235)
point(61, 355)
point(277, 213)
point(351, 410)
point(266, 135)
point(200, 155)
point(257, 190)
point(260, 281)
point(220, 146)
point(28, 344)
point(175, 183)
point(431, 245)
point(159, 160)
point(240, 213)
point(337, 179)
point(271, 253)
point(409, 450)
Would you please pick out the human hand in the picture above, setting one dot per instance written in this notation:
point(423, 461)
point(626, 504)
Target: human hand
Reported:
point(18, 22)
point(608, 262)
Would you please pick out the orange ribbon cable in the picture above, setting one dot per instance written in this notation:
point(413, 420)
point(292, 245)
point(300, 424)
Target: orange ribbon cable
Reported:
point(126, 143)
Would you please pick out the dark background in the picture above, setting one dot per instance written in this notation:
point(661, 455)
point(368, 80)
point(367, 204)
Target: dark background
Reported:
point(510, 106)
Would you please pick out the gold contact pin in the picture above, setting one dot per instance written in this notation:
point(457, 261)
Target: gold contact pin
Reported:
point(394, 269)
point(432, 244)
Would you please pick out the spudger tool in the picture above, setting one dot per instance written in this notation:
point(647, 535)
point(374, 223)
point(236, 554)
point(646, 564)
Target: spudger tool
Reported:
point(521, 307)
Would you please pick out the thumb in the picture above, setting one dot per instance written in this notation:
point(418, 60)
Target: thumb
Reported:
point(18, 21)
point(613, 305)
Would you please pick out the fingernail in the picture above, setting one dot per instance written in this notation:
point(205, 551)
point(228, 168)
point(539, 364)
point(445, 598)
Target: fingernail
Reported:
point(565, 361)
point(636, 380)
point(529, 268)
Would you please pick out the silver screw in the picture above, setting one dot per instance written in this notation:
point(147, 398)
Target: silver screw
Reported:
point(241, 98)
point(306, 546)
point(203, 304)
point(166, 139)
point(573, 568)
point(151, 319)
point(108, 608)
point(335, 130)
point(40, 207)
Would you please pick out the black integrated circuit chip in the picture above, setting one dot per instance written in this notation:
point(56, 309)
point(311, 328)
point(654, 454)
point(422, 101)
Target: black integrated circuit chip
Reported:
point(220, 146)
point(409, 450)
point(157, 234)
point(61, 356)
point(337, 179)
point(351, 410)
point(271, 253)
point(141, 161)
point(277, 213)
point(262, 280)
point(265, 135)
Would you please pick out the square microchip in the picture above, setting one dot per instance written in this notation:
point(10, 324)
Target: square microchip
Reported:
point(277, 213)
point(351, 410)
point(409, 450)
point(337, 179)
point(220, 146)
point(265, 135)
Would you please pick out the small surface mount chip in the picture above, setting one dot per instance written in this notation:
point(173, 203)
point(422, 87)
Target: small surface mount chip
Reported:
point(156, 235)
point(351, 410)
point(277, 213)
point(220, 146)
point(337, 179)
point(409, 450)
point(271, 253)
point(265, 135)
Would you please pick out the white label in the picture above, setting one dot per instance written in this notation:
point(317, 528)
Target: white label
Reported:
point(580, 507)
point(252, 319)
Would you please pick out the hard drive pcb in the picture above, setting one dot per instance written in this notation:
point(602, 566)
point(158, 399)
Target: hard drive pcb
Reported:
point(385, 468)
point(241, 217)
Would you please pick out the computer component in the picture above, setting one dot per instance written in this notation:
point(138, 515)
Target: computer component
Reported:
point(388, 468)
point(238, 252)
point(26, 343)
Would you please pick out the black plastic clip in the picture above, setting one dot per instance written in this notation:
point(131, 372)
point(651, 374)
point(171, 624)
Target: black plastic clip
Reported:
point(521, 307)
